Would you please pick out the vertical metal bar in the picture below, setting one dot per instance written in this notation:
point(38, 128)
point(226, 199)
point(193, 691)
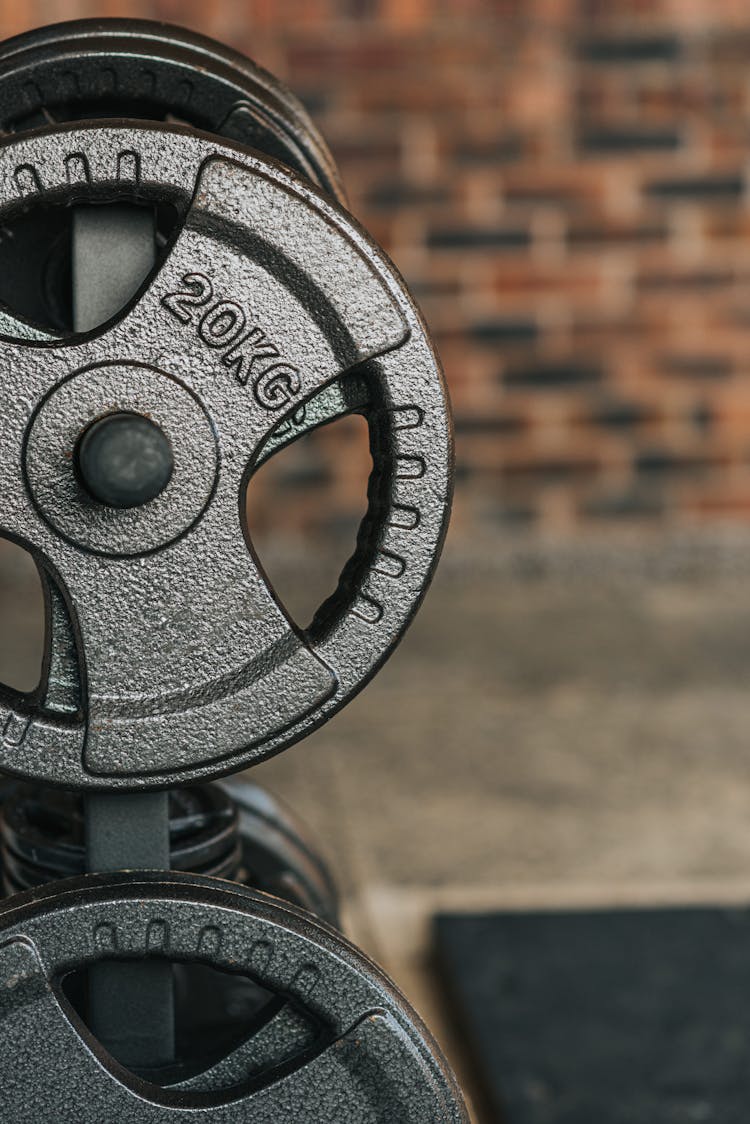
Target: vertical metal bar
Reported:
point(131, 1004)
point(113, 251)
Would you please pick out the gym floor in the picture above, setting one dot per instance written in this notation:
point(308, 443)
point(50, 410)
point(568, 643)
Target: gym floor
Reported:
point(564, 724)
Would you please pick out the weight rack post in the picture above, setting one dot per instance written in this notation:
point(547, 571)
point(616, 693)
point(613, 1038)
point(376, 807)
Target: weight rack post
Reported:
point(130, 1005)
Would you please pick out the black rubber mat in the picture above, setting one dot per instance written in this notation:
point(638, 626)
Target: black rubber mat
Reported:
point(622, 1017)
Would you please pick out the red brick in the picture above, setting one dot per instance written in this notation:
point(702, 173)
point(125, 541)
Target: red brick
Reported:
point(458, 123)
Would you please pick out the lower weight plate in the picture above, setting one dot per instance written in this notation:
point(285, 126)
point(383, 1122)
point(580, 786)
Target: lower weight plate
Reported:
point(338, 1043)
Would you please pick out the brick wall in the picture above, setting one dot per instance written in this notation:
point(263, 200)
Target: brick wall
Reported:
point(565, 185)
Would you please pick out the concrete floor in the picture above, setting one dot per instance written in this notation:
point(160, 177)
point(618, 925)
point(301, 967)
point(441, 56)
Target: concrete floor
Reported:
point(558, 728)
point(562, 725)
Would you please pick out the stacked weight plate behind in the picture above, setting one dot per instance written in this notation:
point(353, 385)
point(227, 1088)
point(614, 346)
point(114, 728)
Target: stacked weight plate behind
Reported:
point(237, 830)
point(137, 69)
point(333, 1041)
point(42, 835)
point(133, 69)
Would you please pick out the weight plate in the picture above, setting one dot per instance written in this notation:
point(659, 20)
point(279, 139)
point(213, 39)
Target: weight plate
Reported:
point(139, 69)
point(278, 854)
point(341, 1044)
point(271, 301)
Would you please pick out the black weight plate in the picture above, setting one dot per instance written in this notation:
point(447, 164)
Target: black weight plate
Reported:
point(138, 69)
point(278, 855)
point(236, 830)
point(42, 835)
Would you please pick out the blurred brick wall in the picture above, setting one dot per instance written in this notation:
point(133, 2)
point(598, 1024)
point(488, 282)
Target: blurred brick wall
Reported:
point(566, 187)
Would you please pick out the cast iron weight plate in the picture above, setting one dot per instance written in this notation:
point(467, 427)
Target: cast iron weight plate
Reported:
point(272, 302)
point(139, 69)
point(371, 1062)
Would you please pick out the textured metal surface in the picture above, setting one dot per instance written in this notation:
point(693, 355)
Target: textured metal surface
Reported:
point(370, 1061)
point(69, 410)
point(139, 69)
point(267, 298)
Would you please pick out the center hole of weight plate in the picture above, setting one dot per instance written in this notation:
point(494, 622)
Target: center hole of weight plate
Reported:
point(124, 460)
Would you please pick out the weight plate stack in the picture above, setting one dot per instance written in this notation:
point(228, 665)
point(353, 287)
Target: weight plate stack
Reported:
point(183, 295)
point(237, 831)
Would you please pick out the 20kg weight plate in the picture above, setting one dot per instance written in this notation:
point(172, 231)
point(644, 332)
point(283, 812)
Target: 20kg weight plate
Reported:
point(338, 1042)
point(271, 313)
